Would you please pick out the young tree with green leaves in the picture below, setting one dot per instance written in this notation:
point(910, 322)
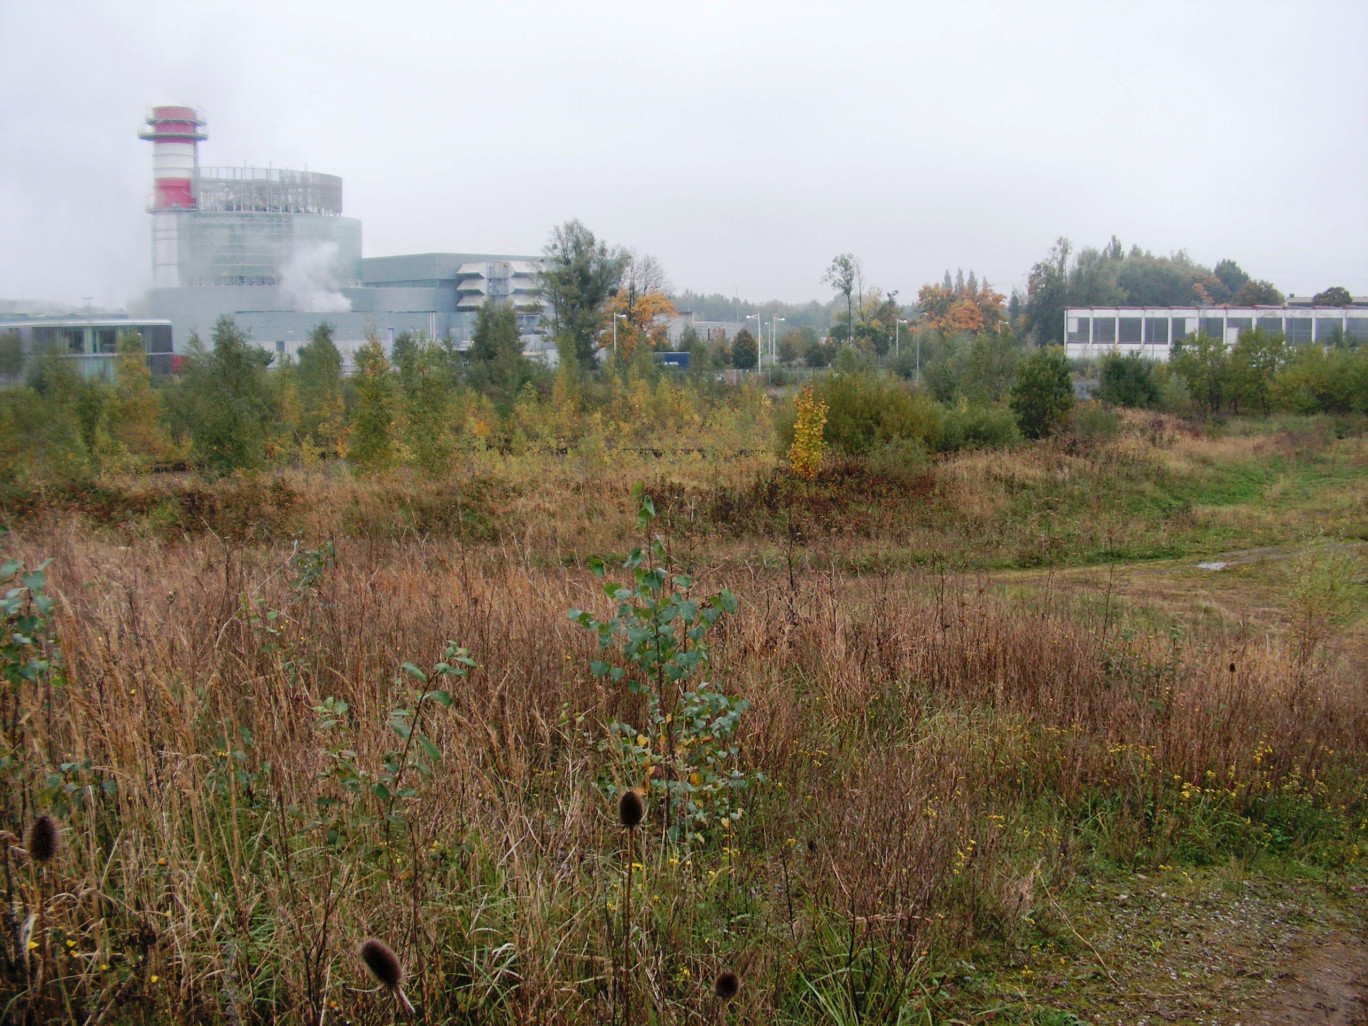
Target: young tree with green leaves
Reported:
point(371, 445)
point(1204, 365)
point(226, 402)
point(1128, 381)
point(135, 408)
point(1254, 363)
point(1042, 397)
point(319, 380)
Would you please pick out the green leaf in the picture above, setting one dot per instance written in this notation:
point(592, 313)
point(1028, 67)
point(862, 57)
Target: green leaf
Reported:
point(442, 698)
point(413, 672)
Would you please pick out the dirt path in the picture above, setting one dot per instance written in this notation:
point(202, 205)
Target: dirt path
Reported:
point(1216, 949)
point(1327, 982)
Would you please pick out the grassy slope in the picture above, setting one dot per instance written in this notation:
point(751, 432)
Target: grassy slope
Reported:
point(965, 767)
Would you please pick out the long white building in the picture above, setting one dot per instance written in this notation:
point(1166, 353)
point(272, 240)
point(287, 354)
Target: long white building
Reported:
point(1090, 331)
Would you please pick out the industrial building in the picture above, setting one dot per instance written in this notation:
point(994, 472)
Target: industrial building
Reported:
point(1091, 331)
point(90, 341)
point(270, 248)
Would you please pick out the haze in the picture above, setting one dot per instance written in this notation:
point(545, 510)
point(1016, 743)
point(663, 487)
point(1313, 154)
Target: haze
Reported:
point(742, 144)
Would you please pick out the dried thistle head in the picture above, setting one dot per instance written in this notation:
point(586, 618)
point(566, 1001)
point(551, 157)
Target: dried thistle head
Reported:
point(631, 809)
point(42, 839)
point(727, 985)
point(382, 962)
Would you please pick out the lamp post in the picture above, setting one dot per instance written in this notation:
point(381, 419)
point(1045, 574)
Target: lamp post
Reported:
point(616, 317)
point(774, 345)
point(897, 326)
point(759, 331)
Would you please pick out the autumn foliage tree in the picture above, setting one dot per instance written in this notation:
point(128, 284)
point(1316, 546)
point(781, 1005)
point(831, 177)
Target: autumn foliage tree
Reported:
point(960, 307)
point(643, 301)
point(806, 452)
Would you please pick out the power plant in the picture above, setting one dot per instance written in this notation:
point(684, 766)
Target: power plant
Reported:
point(270, 248)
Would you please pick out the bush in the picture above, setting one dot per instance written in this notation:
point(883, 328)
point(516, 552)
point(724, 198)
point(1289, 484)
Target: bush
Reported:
point(1093, 422)
point(1042, 397)
point(978, 427)
point(1127, 381)
point(865, 410)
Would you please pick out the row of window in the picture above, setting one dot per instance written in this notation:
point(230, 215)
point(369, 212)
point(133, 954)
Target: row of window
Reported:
point(103, 340)
point(1162, 331)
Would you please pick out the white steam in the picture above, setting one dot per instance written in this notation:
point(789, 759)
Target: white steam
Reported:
point(308, 281)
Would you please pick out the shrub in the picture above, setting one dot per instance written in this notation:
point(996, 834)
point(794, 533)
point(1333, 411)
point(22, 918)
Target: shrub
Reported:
point(865, 410)
point(1042, 397)
point(978, 427)
point(1128, 381)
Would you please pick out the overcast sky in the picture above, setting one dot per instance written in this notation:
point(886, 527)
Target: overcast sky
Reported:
point(743, 144)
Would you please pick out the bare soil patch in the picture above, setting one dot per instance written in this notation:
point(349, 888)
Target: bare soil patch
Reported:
point(1210, 948)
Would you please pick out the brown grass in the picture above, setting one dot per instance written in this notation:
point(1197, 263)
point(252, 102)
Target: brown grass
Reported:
point(935, 751)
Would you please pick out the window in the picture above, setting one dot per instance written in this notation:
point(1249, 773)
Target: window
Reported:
point(106, 340)
point(1156, 331)
point(1104, 330)
point(1130, 331)
point(1298, 329)
point(1079, 329)
point(1181, 328)
point(1239, 324)
point(1356, 328)
point(75, 339)
point(1273, 325)
point(1213, 326)
point(1329, 329)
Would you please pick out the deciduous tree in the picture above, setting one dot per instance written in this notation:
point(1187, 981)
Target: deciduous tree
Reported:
point(580, 276)
point(1336, 295)
point(843, 275)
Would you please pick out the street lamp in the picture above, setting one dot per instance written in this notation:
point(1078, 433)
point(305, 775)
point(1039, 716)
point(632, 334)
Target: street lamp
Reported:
point(774, 346)
point(760, 331)
point(896, 326)
point(616, 318)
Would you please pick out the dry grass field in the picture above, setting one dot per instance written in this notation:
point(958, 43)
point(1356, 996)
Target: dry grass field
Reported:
point(958, 706)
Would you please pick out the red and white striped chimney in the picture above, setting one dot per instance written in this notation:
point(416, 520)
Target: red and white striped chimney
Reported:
point(175, 133)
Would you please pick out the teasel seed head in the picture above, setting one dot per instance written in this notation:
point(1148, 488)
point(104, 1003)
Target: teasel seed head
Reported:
point(631, 809)
point(382, 963)
point(726, 985)
point(42, 839)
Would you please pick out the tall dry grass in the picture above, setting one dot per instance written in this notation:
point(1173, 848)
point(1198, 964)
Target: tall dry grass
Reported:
point(935, 752)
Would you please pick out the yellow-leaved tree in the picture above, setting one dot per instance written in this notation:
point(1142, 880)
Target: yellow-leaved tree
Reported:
point(809, 446)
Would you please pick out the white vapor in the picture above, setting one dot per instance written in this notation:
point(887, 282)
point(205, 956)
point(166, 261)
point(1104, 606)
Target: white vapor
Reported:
point(308, 282)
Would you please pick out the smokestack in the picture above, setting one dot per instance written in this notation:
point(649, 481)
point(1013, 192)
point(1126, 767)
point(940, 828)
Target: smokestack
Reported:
point(175, 133)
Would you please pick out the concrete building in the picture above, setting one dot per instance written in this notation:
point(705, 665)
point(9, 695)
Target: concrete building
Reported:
point(1091, 331)
point(270, 248)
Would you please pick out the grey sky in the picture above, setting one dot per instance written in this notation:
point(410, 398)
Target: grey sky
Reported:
point(743, 144)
